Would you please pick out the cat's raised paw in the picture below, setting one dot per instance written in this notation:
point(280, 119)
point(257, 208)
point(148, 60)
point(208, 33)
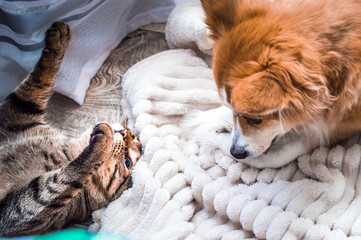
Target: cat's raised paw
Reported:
point(57, 38)
point(100, 144)
point(102, 135)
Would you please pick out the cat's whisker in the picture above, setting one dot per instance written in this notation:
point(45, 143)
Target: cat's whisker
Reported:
point(113, 106)
point(2, 132)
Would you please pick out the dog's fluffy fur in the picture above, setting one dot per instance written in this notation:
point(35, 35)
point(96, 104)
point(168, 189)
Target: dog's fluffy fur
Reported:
point(295, 65)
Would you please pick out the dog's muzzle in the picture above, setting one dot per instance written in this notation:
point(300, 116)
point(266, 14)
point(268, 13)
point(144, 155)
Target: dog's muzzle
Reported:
point(238, 152)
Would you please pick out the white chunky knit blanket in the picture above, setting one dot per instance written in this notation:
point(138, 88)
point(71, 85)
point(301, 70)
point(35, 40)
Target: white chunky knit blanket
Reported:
point(186, 186)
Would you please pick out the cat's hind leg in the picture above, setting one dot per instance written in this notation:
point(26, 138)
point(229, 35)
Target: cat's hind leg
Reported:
point(52, 200)
point(24, 108)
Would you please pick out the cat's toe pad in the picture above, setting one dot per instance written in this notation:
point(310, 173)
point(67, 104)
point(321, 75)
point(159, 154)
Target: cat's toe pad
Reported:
point(57, 37)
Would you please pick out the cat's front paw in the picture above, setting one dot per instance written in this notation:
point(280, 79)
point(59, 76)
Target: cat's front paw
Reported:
point(101, 142)
point(57, 38)
point(99, 149)
point(101, 136)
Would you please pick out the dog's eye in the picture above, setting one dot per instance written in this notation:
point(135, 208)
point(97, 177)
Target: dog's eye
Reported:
point(253, 120)
point(223, 130)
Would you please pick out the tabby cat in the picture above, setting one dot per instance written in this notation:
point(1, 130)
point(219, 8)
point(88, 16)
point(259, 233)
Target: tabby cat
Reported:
point(48, 181)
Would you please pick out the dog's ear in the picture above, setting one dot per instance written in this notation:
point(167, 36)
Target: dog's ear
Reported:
point(221, 16)
point(288, 86)
point(307, 88)
point(258, 94)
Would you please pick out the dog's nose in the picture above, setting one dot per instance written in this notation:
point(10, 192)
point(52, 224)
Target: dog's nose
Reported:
point(238, 152)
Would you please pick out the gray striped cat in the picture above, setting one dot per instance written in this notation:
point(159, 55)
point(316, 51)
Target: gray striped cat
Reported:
point(48, 181)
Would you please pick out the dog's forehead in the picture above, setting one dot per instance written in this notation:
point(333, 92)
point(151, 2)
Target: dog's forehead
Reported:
point(227, 101)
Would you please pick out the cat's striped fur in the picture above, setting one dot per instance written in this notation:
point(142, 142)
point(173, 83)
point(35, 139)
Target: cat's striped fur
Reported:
point(48, 181)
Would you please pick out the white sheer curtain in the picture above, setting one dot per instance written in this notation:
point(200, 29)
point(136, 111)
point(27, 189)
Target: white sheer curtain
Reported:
point(97, 27)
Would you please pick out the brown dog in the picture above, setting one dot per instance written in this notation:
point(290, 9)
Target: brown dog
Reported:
point(289, 69)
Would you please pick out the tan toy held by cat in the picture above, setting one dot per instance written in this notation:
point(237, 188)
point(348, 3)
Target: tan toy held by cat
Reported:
point(48, 181)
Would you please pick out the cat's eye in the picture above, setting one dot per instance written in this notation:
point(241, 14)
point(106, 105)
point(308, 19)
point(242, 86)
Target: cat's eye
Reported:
point(253, 120)
point(127, 162)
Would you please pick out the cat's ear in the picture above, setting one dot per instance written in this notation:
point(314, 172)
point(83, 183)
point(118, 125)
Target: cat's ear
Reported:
point(125, 122)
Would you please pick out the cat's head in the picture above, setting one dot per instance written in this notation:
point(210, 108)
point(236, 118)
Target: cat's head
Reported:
point(126, 146)
point(115, 172)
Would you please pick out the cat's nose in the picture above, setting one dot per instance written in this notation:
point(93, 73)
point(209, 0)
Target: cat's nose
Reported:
point(120, 131)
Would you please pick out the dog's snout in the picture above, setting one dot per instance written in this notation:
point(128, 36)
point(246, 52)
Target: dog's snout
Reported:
point(238, 152)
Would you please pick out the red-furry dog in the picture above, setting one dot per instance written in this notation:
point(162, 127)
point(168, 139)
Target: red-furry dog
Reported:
point(290, 70)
